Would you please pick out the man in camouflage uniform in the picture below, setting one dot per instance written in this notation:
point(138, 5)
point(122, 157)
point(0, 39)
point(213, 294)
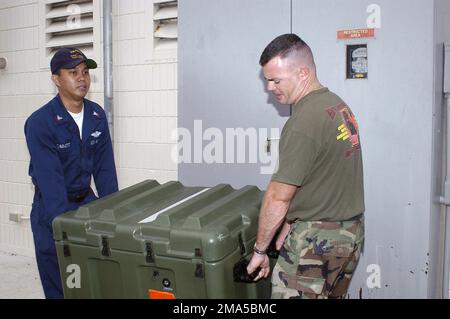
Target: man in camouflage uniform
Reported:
point(315, 200)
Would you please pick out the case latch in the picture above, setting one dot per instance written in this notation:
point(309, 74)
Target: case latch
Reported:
point(149, 257)
point(66, 248)
point(199, 271)
point(105, 247)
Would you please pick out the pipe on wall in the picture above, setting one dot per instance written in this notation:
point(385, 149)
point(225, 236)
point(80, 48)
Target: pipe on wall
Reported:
point(108, 64)
point(444, 200)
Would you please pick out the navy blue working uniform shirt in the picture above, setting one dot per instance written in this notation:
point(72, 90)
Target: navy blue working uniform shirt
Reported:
point(61, 163)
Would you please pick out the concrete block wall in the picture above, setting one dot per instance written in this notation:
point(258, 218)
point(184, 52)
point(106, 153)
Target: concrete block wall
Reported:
point(145, 97)
point(23, 87)
point(145, 106)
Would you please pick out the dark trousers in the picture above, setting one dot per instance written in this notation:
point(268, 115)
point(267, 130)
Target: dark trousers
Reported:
point(44, 244)
point(47, 261)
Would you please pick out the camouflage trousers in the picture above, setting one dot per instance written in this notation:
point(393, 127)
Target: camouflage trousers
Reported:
point(318, 259)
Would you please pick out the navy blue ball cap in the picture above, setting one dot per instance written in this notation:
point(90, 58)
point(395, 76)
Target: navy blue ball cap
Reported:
point(68, 58)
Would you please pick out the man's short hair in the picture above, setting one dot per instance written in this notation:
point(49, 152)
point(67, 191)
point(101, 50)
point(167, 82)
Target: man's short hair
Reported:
point(283, 46)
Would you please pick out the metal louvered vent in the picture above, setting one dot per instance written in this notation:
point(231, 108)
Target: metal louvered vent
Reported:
point(69, 23)
point(165, 21)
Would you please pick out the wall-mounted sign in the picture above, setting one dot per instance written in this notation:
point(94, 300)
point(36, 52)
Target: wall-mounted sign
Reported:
point(356, 34)
point(357, 62)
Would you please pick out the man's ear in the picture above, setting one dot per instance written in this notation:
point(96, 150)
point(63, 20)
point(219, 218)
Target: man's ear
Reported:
point(304, 72)
point(55, 79)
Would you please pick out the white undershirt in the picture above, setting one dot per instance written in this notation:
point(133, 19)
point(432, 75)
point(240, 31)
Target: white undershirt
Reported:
point(78, 118)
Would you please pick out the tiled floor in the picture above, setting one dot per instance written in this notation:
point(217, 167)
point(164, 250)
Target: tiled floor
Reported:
point(19, 277)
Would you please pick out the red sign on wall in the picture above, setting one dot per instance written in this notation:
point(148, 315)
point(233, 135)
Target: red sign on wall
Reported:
point(356, 34)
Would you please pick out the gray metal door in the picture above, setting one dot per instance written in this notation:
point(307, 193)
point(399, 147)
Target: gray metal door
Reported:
point(398, 108)
point(225, 114)
point(395, 110)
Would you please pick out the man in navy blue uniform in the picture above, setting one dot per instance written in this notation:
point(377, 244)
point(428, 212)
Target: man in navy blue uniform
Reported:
point(69, 141)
